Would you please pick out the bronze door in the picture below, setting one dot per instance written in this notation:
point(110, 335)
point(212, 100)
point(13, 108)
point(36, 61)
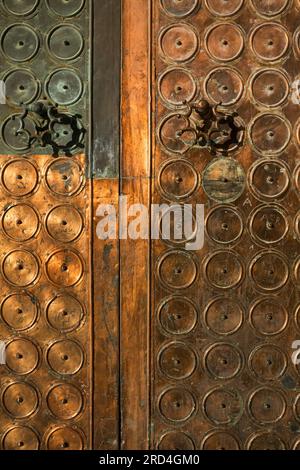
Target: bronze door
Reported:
point(224, 318)
point(49, 315)
point(138, 344)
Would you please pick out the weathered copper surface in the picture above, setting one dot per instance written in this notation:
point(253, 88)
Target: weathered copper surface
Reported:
point(45, 311)
point(44, 49)
point(224, 318)
point(59, 386)
point(205, 350)
point(45, 306)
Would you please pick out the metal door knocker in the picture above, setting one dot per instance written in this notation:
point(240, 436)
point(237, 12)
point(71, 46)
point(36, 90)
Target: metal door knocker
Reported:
point(60, 130)
point(213, 128)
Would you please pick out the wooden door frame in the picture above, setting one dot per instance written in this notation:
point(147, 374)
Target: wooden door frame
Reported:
point(121, 165)
point(105, 158)
point(135, 259)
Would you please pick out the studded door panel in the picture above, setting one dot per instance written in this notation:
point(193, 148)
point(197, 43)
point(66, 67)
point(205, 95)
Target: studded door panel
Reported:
point(45, 312)
point(225, 317)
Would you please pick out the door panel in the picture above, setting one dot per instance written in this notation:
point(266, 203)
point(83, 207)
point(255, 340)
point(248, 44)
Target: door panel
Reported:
point(46, 322)
point(204, 356)
point(55, 322)
point(224, 318)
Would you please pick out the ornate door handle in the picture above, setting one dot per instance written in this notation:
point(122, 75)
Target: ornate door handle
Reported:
point(60, 130)
point(219, 131)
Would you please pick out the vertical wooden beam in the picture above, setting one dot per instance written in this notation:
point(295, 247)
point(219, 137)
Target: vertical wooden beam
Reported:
point(135, 255)
point(106, 325)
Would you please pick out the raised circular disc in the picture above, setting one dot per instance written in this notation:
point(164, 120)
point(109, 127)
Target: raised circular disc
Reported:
point(177, 86)
point(269, 179)
point(268, 316)
point(297, 45)
point(224, 42)
point(268, 362)
point(177, 270)
point(224, 269)
point(64, 313)
point(296, 271)
point(266, 441)
point(224, 225)
point(220, 440)
point(20, 7)
point(269, 224)
point(19, 42)
point(15, 140)
point(224, 180)
point(64, 268)
point(20, 268)
point(22, 356)
point(296, 445)
point(20, 438)
point(178, 179)
point(270, 134)
point(178, 42)
point(19, 177)
point(224, 85)
point(179, 9)
point(64, 87)
point(297, 408)
point(20, 222)
point(169, 134)
point(170, 225)
point(64, 7)
point(19, 311)
point(223, 7)
point(20, 400)
point(64, 223)
point(266, 405)
point(65, 401)
point(177, 361)
point(178, 315)
point(65, 438)
point(64, 177)
point(65, 42)
point(270, 7)
point(65, 357)
point(22, 86)
point(297, 175)
point(223, 361)
point(223, 316)
point(269, 270)
point(176, 440)
point(297, 317)
point(270, 87)
point(270, 41)
point(177, 404)
point(223, 406)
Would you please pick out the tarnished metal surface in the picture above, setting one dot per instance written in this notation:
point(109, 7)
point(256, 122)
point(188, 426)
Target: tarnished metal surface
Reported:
point(52, 320)
point(225, 317)
point(44, 49)
point(45, 204)
point(45, 303)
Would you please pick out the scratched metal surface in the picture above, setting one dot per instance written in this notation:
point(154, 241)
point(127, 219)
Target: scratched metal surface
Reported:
point(45, 306)
point(44, 52)
point(225, 317)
